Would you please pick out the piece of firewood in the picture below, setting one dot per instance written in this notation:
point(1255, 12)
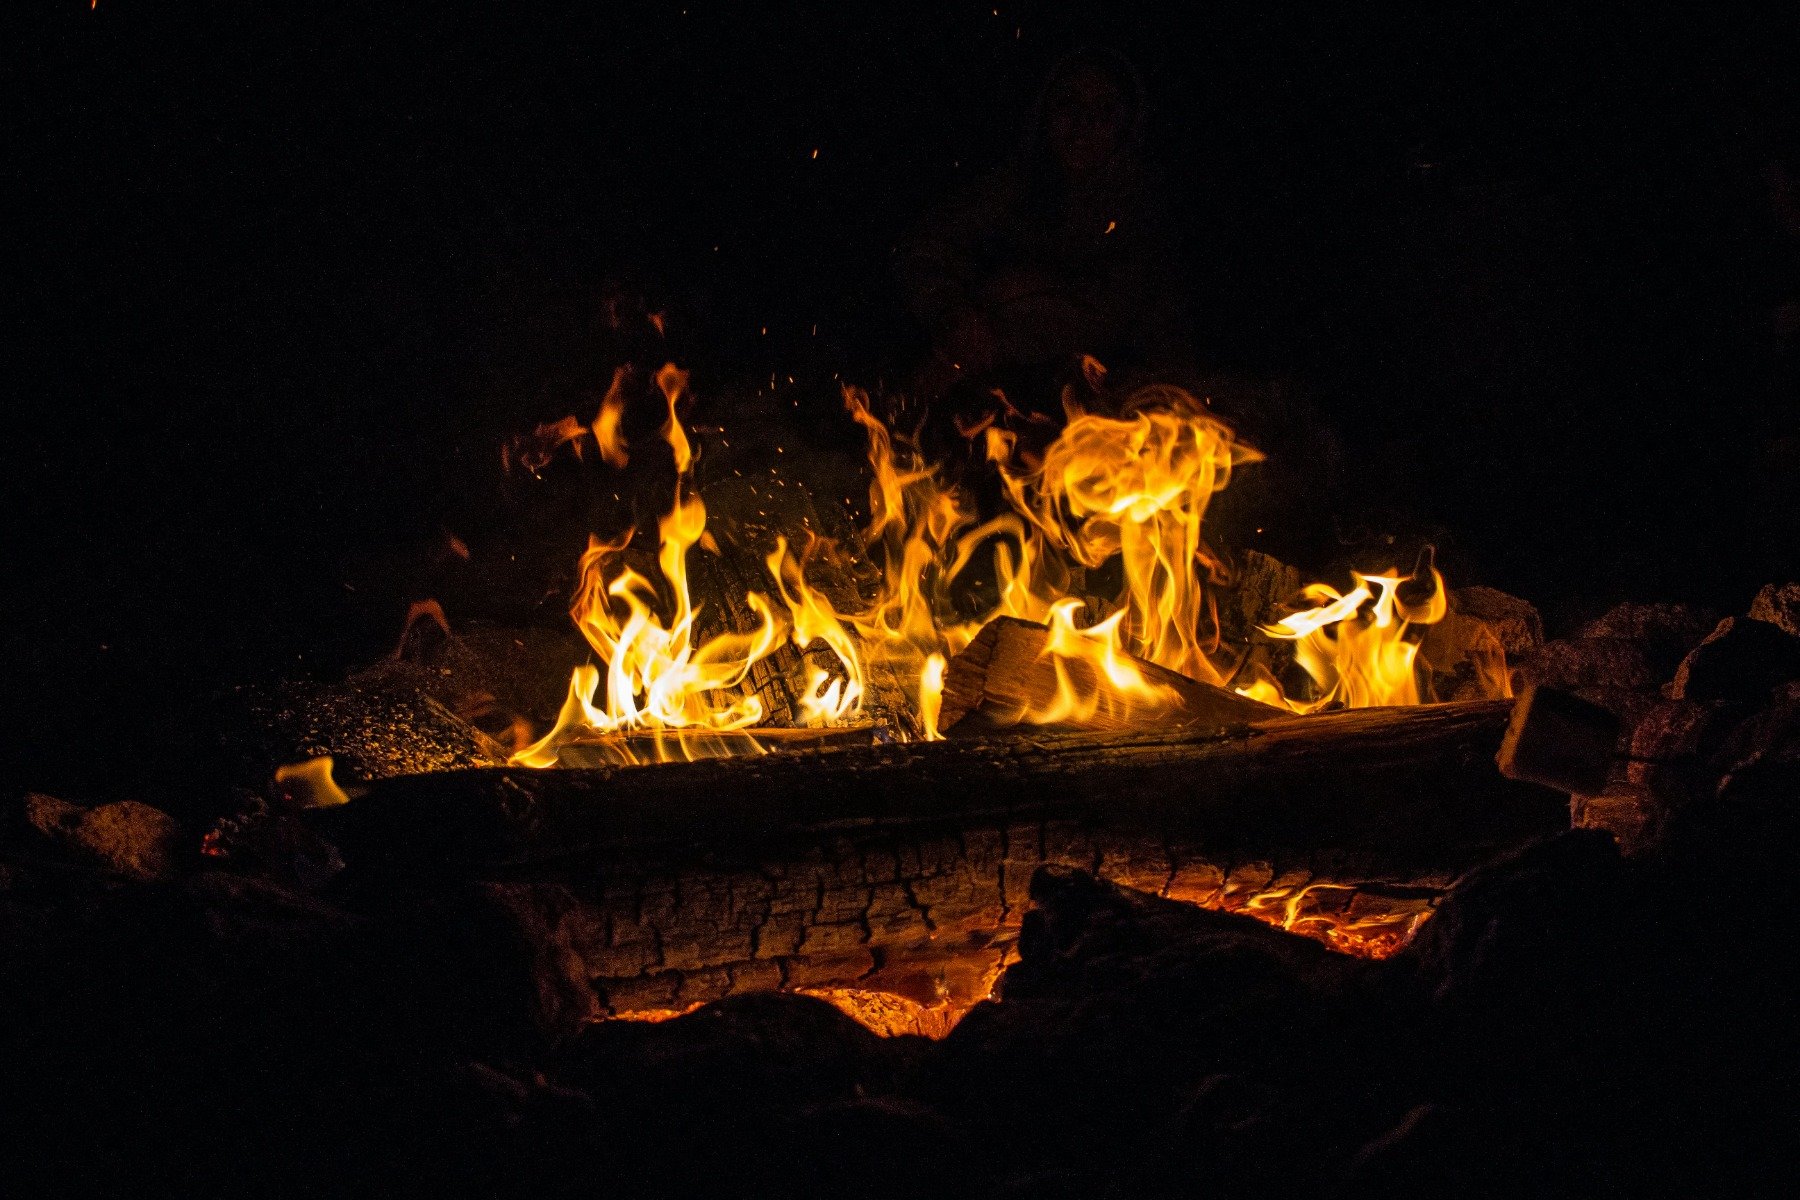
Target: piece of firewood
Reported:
point(902, 868)
point(1416, 787)
point(1560, 741)
point(1005, 669)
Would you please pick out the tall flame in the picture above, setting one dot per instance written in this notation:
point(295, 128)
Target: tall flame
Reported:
point(1136, 488)
point(1132, 488)
point(1353, 644)
point(657, 676)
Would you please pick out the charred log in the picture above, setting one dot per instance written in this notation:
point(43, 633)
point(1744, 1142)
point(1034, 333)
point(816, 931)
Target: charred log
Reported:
point(903, 868)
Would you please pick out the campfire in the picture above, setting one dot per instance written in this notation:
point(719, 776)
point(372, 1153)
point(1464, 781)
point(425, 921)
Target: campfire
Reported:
point(989, 601)
point(860, 733)
point(1115, 496)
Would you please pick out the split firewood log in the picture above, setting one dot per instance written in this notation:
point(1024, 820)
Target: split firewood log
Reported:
point(1006, 670)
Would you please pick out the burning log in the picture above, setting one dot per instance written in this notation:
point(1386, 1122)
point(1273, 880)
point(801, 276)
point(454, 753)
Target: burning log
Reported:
point(1008, 668)
point(902, 868)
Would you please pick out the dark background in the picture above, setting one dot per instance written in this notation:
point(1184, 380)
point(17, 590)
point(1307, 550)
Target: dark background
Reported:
point(284, 281)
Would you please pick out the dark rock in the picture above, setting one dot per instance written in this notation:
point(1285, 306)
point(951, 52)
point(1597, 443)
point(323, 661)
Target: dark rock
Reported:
point(1665, 632)
point(1629, 705)
point(488, 966)
point(1674, 731)
point(878, 1147)
point(127, 838)
point(211, 1027)
point(1741, 661)
point(1665, 771)
point(1121, 1005)
point(1595, 662)
point(1762, 753)
point(737, 1097)
point(1502, 935)
point(1779, 605)
point(784, 1050)
point(263, 840)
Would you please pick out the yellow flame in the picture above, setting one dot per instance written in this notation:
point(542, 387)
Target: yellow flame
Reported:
point(309, 784)
point(1135, 488)
point(825, 699)
point(606, 422)
point(914, 520)
point(1353, 644)
point(1131, 489)
point(658, 677)
point(1082, 658)
point(931, 695)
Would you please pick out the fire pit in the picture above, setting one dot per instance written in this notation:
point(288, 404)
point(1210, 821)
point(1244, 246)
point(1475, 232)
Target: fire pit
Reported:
point(810, 754)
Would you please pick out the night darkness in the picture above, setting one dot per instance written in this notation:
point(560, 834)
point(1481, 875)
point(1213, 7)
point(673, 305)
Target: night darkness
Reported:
point(282, 279)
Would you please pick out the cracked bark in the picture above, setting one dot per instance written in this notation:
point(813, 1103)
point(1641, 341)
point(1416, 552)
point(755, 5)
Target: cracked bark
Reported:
point(904, 868)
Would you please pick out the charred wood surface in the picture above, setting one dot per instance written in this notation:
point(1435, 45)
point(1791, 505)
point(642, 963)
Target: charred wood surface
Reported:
point(903, 868)
point(1415, 788)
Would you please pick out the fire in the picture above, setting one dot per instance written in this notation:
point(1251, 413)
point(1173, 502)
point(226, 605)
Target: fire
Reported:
point(824, 700)
point(658, 677)
point(309, 784)
point(606, 422)
point(1345, 917)
point(1081, 657)
point(1135, 488)
point(1354, 644)
point(1125, 493)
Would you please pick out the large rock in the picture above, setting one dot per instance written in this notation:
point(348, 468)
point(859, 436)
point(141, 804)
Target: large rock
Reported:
point(1665, 632)
point(1764, 750)
point(1675, 731)
point(757, 1095)
point(1779, 605)
point(1593, 662)
point(1130, 1017)
point(1500, 939)
point(489, 965)
point(126, 838)
point(1741, 661)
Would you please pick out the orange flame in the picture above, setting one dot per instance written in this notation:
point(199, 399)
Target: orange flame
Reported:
point(657, 677)
point(1135, 488)
point(1132, 488)
point(1354, 644)
point(606, 421)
